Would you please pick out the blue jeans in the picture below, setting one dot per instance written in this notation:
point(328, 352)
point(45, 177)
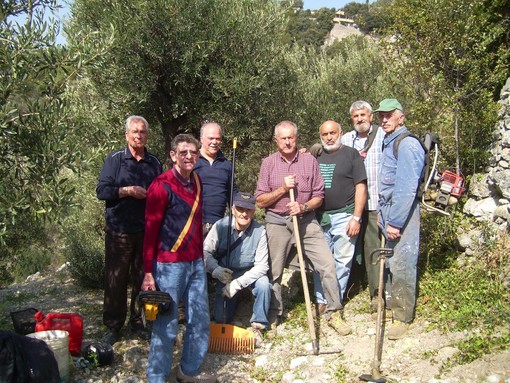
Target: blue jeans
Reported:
point(342, 248)
point(261, 290)
point(186, 282)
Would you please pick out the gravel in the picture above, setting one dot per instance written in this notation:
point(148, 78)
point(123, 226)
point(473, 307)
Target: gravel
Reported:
point(285, 356)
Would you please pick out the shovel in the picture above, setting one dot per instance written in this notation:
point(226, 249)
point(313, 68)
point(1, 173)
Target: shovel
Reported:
point(376, 363)
point(309, 315)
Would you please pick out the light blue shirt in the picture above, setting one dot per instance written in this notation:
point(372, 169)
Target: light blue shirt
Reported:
point(399, 179)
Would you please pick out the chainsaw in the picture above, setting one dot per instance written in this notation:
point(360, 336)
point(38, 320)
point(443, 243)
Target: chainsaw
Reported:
point(152, 302)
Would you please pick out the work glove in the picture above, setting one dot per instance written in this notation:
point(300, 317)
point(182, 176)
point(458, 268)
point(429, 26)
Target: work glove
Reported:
point(222, 274)
point(231, 289)
point(316, 150)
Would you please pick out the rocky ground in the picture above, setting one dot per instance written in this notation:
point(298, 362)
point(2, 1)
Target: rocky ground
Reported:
point(286, 356)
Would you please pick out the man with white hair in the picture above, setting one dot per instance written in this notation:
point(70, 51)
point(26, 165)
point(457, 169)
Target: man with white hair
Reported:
point(367, 139)
point(399, 214)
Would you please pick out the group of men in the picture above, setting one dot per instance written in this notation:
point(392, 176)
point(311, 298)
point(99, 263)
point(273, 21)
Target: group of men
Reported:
point(355, 186)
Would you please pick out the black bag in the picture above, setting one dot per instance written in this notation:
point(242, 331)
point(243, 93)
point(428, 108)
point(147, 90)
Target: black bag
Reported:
point(26, 360)
point(24, 321)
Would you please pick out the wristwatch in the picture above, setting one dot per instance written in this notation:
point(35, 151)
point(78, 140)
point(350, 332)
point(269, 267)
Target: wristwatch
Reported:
point(306, 209)
point(357, 219)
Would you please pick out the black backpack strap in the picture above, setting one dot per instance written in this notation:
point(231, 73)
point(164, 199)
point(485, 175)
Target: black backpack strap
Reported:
point(371, 139)
point(400, 137)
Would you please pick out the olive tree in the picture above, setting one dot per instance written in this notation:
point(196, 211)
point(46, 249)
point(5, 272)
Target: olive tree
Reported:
point(178, 63)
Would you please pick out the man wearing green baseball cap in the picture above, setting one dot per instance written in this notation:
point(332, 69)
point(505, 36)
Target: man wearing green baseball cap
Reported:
point(389, 105)
point(399, 213)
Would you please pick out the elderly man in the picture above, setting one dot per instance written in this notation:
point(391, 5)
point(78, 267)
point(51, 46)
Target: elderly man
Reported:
point(284, 170)
point(245, 266)
point(173, 263)
point(367, 139)
point(124, 178)
point(399, 214)
point(345, 197)
point(215, 171)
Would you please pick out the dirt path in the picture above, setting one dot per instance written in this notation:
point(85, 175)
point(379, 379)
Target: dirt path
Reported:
point(287, 357)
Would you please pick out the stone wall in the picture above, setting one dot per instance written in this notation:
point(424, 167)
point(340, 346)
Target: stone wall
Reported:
point(489, 192)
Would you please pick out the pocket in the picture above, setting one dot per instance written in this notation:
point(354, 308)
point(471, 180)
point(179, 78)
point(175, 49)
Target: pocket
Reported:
point(304, 183)
point(389, 173)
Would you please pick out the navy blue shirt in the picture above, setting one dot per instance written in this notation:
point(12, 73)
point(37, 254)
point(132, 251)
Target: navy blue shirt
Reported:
point(126, 215)
point(216, 180)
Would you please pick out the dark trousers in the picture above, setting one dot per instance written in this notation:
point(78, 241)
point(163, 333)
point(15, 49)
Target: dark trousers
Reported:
point(123, 264)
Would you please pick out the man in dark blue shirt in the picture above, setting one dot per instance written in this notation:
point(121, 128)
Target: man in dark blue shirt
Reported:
point(123, 181)
point(215, 171)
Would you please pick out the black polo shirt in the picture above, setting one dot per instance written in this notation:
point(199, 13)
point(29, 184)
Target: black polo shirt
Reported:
point(126, 215)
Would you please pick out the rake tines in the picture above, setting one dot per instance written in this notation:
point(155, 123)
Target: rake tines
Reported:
point(229, 339)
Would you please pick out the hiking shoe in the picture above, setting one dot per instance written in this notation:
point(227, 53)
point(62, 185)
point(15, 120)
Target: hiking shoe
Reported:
point(111, 336)
point(336, 322)
point(386, 314)
point(201, 378)
point(398, 330)
point(274, 319)
point(320, 309)
point(256, 329)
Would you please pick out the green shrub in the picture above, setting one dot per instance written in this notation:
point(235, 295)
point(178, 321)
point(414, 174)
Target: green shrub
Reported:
point(84, 237)
point(25, 251)
point(85, 255)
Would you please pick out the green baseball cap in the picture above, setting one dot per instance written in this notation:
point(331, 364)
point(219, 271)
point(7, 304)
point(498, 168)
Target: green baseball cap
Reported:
point(388, 105)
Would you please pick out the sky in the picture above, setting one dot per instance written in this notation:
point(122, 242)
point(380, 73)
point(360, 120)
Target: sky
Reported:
point(317, 4)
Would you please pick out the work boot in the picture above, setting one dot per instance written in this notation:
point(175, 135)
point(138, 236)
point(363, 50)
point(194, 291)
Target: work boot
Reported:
point(201, 378)
point(111, 336)
point(398, 330)
point(336, 322)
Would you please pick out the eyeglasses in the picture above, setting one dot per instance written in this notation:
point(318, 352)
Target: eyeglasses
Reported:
point(185, 153)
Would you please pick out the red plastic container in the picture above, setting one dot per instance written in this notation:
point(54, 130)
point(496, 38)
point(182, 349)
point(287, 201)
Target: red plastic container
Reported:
point(70, 322)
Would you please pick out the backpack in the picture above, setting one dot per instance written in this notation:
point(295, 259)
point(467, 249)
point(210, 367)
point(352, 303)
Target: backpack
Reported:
point(429, 142)
point(26, 360)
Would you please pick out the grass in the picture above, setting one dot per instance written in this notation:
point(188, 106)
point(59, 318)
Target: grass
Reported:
point(472, 297)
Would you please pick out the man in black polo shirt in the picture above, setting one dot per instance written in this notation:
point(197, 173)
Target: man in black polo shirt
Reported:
point(215, 171)
point(123, 181)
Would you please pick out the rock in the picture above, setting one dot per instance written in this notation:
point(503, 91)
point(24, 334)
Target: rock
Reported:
point(503, 212)
point(479, 186)
point(296, 362)
point(482, 210)
point(501, 179)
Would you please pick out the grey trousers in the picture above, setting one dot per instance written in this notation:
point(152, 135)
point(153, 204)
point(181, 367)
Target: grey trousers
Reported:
point(371, 241)
point(402, 268)
point(315, 248)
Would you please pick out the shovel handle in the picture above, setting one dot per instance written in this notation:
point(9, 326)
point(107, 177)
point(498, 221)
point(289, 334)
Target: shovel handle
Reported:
point(311, 324)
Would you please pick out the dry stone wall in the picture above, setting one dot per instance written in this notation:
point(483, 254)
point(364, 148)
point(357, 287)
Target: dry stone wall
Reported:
point(489, 192)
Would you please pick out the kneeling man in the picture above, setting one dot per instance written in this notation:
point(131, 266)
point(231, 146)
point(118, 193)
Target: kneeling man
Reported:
point(245, 266)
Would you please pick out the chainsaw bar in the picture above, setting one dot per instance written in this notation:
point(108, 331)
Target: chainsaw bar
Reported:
point(154, 297)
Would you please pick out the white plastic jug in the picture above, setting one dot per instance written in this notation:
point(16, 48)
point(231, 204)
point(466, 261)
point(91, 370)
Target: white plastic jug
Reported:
point(58, 342)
